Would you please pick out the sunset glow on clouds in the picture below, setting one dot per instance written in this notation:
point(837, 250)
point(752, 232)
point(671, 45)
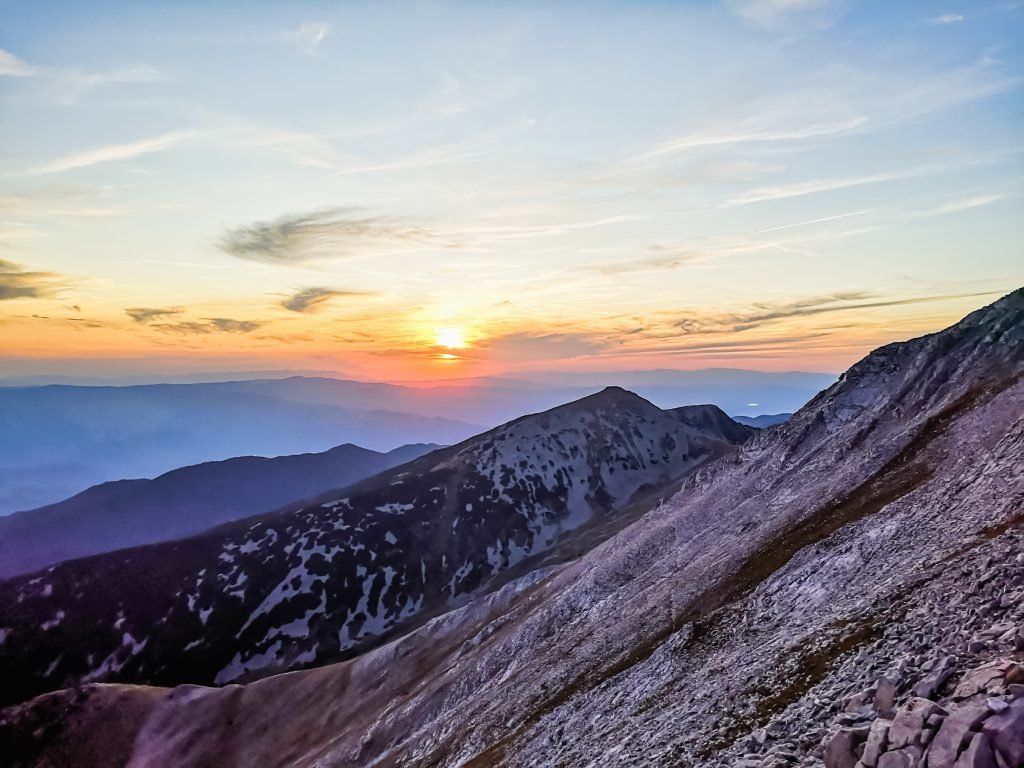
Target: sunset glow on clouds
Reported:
point(412, 190)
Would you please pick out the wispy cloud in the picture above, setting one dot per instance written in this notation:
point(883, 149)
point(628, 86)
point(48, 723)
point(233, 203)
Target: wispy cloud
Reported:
point(654, 257)
point(946, 18)
point(19, 283)
point(301, 148)
point(540, 346)
point(814, 221)
point(297, 238)
point(145, 314)
point(67, 86)
point(209, 325)
point(962, 204)
point(114, 152)
point(309, 36)
point(756, 130)
point(802, 188)
point(771, 13)
point(311, 299)
point(760, 313)
point(12, 66)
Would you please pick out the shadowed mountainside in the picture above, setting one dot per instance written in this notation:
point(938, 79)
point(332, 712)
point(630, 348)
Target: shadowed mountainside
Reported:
point(183, 502)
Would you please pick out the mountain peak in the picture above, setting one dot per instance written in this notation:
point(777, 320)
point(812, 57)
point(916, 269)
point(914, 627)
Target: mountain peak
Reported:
point(613, 395)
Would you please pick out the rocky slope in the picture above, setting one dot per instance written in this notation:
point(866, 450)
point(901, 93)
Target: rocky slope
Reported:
point(323, 581)
point(180, 503)
point(845, 590)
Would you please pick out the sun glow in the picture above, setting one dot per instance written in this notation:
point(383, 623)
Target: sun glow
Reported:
point(450, 337)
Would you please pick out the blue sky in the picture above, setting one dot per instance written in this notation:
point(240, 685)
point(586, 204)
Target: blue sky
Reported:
point(443, 188)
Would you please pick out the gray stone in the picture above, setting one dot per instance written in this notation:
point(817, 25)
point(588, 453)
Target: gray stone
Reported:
point(840, 747)
point(984, 679)
point(997, 705)
point(978, 754)
point(1007, 732)
point(906, 757)
point(930, 683)
point(954, 732)
point(877, 741)
point(909, 722)
point(885, 697)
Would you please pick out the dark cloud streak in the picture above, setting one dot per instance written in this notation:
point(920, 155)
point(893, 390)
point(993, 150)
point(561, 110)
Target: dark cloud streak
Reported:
point(310, 299)
point(19, 283)
point(297, 238)
point(145, 314)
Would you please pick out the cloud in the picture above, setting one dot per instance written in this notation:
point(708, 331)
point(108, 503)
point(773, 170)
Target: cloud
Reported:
point(800, 189)
point(310, 299)
point(754, 131)
point(963, 204)
point(657, 257)
point(760, 313)
point(18, 283)
point(771, 13)
point(534, 346)
point(947, 18)
point(145, 314)
point(815, 221)
point(114, 152)
point(301, 148)
point(12, 66)
point(309, 36)
point(68, 86)
point(209, 325)
point(227, 325)
point(296, 238)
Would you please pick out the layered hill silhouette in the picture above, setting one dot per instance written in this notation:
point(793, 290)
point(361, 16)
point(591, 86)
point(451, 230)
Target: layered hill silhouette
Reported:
point(59, 440)
point(180, 503)
point(328, 579)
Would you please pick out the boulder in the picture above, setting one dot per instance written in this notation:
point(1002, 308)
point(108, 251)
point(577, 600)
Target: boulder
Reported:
point(841, 747)
point(955, 731)
point(1006, 730)
point(877, 742)
point(987, 678)
point(907, 757)
point(885, 697)
point(927, 686)
point(978, 754)
point(908, 724)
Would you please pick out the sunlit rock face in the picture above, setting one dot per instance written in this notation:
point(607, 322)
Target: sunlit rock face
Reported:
point(327, 580)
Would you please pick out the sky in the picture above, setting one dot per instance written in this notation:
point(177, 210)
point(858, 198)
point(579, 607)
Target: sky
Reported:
point(418, 190)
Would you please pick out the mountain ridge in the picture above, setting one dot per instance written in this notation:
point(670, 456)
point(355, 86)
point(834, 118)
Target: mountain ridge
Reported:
point(321, 580)
point(185, 501)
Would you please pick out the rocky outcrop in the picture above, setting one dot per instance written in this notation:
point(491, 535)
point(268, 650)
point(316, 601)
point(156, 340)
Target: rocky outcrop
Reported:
point(942, 685)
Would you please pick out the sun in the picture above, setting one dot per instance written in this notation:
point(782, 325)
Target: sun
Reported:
point(450, 337)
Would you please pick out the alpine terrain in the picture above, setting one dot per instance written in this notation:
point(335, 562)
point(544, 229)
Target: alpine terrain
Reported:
point(322, 581)
point(846, 589)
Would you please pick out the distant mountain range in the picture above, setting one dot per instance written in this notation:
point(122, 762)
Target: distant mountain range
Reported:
point(328, 579)
point(765, 420)
point(182, 502)
point(59, 440)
